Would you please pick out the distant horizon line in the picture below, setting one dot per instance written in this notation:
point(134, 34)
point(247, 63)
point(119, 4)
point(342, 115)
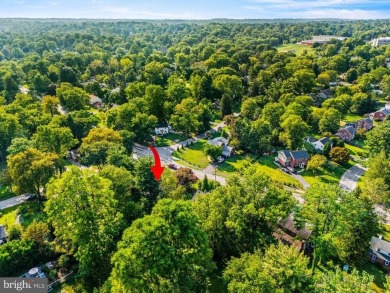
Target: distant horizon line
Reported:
point(190, 19)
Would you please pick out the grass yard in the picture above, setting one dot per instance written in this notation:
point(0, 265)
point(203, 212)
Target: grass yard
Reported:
point(239, 163)
point(29, 211)
point(193, 155)
point(8, 216)
point(169, 139)
point(298, 48)
point(329, 174)
point(350, 118)
point(355, 150)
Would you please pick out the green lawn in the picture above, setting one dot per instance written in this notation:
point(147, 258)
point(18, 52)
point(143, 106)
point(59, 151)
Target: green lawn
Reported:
point(329, 174)
point(355, 150)
point(193, 155)
point(8, 216)
point(169, 139)
point(298, 48)
point(29, 211)
point(239, 163)
point(350, 118)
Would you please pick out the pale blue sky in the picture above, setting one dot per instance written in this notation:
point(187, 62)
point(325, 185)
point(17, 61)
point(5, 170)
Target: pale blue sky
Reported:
point(196, 9)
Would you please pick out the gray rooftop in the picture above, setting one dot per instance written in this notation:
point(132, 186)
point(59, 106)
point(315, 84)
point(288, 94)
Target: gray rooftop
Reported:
point(380, 248)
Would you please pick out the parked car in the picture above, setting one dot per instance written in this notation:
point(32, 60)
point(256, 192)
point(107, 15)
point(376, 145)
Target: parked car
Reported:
point(220, 159)
point(172, 166)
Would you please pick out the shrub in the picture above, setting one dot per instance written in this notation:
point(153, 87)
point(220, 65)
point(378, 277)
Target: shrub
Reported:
point(339, 155)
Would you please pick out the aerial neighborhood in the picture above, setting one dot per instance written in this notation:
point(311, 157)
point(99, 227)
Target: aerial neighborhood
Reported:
point(220, 155)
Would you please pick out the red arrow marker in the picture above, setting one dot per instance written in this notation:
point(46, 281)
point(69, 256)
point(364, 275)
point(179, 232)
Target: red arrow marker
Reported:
point(157, 169)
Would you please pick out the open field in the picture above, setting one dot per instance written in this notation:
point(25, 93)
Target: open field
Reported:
point(298, 48)
point(193, 155)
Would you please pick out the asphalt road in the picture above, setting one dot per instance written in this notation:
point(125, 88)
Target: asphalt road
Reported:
point(350, 178)
point(13, 201)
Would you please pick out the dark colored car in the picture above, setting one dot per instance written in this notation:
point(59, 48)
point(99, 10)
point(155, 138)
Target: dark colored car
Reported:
point(172, 166)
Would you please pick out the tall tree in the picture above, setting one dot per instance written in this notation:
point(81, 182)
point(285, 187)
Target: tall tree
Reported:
point(166, 251)
point(343, 282)
point(236, 224)
point(295, 130)
point(378, 139)
point(31, 170)
point(279, 269)
point(85, 201)
point(52, 139)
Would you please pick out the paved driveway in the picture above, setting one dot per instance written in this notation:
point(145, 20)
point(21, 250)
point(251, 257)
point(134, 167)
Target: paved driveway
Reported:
point(350, 178)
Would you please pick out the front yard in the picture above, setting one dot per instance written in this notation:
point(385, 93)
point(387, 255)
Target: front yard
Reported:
point(331, 173)
point(169, 139)
point(193, 155)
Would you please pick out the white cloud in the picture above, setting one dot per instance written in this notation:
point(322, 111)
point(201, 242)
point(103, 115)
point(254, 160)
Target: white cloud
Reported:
point(339, 13)
point(127, 12)
point(299, 4)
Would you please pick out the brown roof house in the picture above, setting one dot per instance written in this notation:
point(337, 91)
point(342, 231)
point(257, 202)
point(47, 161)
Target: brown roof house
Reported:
point(346, 133)
point(293, 158)
point(381, 114)
point(379, 252)
point(222, 142)
point(95, 101)
point(365, 123)
point(289, 234)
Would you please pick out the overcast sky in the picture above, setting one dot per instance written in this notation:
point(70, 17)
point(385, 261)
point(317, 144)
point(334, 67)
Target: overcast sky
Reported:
point(196, 9)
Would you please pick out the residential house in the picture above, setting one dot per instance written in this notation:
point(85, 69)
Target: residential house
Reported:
point(162, 128)
point(379, 252)
point(365, 123)
point(293, 158)
point(347, 133)
point(227, 151)
point(289, 234)
point(95, 101)
point(3, 235)
point(325, 94)
point(380, 114)
point(319, 144)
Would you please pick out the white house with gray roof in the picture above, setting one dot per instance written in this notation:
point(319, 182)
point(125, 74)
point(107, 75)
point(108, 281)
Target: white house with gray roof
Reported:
point(319, 144)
